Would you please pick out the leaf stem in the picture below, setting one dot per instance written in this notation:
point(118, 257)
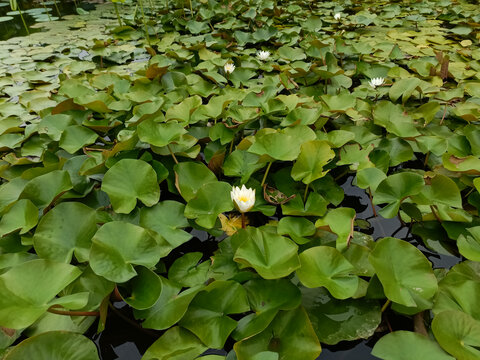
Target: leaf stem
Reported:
point(72, 313)
point(23, 20)
point(118, 14)
point(58, 10)
point(144, 21)
point(432, 207)
point(305, 193)
point(371, 201)
point(46, 10)
point(191, 8)
point(444, 113)
point(266, 173)
point(426, 159)
point(171, 153)
point(244, 222)
point(385, 306)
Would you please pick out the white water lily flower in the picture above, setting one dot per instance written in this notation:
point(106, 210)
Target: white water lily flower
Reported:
point(263, 55)
point(229, 67)
point(337, 16)
point(243, 198)
point(376, 82)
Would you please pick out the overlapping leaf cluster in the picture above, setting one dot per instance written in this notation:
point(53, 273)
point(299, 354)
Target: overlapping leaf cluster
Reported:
point(110, 164)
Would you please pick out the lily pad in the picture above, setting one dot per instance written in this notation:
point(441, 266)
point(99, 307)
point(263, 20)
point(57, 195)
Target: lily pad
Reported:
point(129, 180)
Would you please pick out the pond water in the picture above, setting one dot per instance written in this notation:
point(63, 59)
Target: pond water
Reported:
point(35, 11)
point(123, 339)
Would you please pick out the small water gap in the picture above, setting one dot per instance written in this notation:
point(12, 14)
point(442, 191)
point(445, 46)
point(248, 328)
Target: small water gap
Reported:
point(11, 24)
point(121, 340)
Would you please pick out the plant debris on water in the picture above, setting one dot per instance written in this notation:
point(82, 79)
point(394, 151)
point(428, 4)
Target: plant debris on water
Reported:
point(129, 131)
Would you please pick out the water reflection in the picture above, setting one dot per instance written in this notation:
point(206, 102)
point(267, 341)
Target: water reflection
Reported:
point(122, 340)
point(380, 227)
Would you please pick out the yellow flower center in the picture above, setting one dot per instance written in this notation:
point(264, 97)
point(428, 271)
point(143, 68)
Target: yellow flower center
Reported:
point(243, 199)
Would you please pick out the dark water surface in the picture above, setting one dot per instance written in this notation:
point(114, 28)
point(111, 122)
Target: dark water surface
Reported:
point(123, 339)
point(15, 27)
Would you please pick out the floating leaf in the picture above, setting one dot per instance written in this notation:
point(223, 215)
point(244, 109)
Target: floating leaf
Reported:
point(166, 219)
point(296, 228)
point(75, 137)
point(117, 246)
point(394, 189)
point(211, 200)
point(458, 334)
point(19, 306)
point(211, 306)
point(459, 289)
point(326, 266)
point(266, 298)
point(55, 345)
point(314, 155)
point(43, 189)
point(340, 221)
point(271, 255)
point(175, 344)
point(187, 270)
point(406, 345)
point(190, 177)
point(405, 273)
point(334, 320)
point(64, 231)
point(129, 180)
point(143, 291)
point(170, 306)
point(160, 134)
point(22, 215)
point(243, 164)
point(290, 335)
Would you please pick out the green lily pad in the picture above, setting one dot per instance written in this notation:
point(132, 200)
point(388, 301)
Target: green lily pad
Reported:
point(166, 219)
point(43, 189)
point(340, 320)
point(55, 345)
point(406, 345)
point(160, 134)
point(187, 270)
point(170, 306)
point(405, 273)
point(314, 155)
point(458, 334)
point(20, 307)
point(394, 189)
point(211, 306)
point(290, 335)
point(469, 245)
point(143, 291)
point(129, 180)
point(326, 266)
point(297, 228)
point(175, 344)
point(211, 200)
point(242, 164)
point(190, 177)
point(459, 289)
point(316, 205)
point(266, 298)
point(76, 137)
point(117, 246)
point(340, 221)
point(271, 255)
point(393, 118)
point(64, 231)
point(22, 215)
